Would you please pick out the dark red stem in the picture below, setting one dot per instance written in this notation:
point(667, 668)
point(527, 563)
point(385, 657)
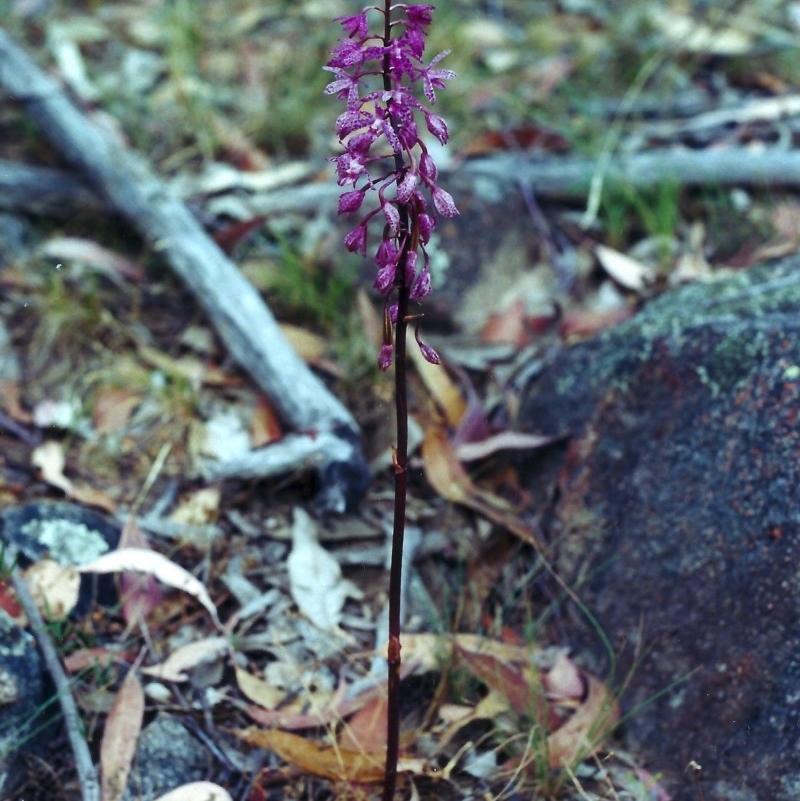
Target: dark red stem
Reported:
point(400, 461)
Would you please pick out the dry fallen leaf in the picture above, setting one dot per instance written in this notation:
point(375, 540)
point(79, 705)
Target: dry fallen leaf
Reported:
point(198, 508)
point(100, 656)
point(197, 791)
point(113, 407)
point(265, 427)
point(188, 657)
point(313, 757)
point(446, 394)
point(366, 730)
point(50, 459)
point(259, 691)
point(91, 254)
point(627, 272)
point(297, 715)
point(143, 560)
point(139, 592)
point(596, 711)
point(53, 587)
point(504, 440)
point(315, 577)
point(585, 731)
point(447, 476)
point(118, 747)
point(563, 680)
point(514, 681)
point(330, 762)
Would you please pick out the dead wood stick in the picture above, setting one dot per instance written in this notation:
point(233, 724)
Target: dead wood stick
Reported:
point(237, 311)
point(43, 190)
point(494, 178)
point(570, 178)
point(87, 774)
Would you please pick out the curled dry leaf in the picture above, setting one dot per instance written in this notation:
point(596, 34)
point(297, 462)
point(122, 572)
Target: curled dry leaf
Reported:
point(257, 690)
point(197, 791)
point(187, 657)
point(367, 728)
point(585, 731)
point(339, 764)
point(627, 272)
point(563, 680)
point(98, 657)
point(50, 459)
point(91, 254)
point(143, 560)
point(315, 577)
point(504, 440)
point(447, 476)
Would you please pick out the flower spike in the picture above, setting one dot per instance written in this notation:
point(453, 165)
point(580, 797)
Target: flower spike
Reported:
point(387, 88)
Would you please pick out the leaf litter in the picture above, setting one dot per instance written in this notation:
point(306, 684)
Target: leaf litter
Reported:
point(161, 388)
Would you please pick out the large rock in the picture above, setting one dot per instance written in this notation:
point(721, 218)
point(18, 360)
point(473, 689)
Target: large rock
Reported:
point(678, 520)
point(23, 708)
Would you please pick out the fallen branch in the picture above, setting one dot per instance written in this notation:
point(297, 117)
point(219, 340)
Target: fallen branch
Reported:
point(567, 177)
point(87, 774)
point(237, 311)
point(494, 177)
point(43, 190)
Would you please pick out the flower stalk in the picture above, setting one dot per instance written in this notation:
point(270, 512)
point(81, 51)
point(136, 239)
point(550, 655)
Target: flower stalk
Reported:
point(386, 157)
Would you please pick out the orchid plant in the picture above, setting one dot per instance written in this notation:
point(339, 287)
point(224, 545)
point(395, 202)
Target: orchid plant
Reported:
point(388, 90)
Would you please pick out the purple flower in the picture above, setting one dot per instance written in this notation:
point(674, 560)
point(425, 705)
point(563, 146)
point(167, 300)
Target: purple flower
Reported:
point(406, 187)
point(387, 253)
point(356, 240)
point(385, 356)
point(419, 17)
point(427, 167)
point(428, 353)
point(386, 86)
point(355, 25)
point(437, 126)
point(349, 168)
point(443, 201)
point(346, 54)
point(384, 280)
point(435, 78)
point(426, 225)
point(351, 201)
point(422, 286)
point(392, 216)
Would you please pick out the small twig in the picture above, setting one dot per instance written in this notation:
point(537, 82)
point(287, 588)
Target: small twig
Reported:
point(87, 774)
point(20, 432)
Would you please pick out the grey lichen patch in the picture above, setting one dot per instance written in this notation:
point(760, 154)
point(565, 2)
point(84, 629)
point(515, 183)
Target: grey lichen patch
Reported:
point(9, 688)
point(67, 541)
point(735, 356)
point(724, 327)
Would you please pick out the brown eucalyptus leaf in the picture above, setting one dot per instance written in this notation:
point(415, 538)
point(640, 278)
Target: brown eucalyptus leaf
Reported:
point(585, 731)
point(448, 477)
point(120, 735)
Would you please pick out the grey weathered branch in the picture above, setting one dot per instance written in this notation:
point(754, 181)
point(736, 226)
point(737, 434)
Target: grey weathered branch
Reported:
point(42, 190)
point(87, 774)
point(235, 308)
